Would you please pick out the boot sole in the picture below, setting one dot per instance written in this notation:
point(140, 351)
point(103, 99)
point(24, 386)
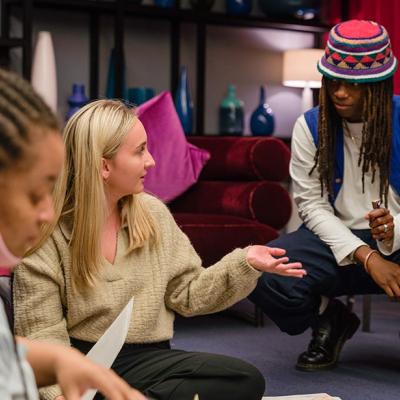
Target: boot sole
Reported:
point(347, 334)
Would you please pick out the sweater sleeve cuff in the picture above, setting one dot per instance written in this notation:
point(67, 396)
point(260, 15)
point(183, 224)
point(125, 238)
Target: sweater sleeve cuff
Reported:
point(50, 392)
point(245, 268)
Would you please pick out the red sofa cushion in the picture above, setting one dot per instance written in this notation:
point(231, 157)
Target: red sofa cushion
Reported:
point(267, 202)
point(244, 158)
point(214, 236)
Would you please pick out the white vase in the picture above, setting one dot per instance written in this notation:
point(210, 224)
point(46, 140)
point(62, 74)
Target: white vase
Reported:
point(44, 76)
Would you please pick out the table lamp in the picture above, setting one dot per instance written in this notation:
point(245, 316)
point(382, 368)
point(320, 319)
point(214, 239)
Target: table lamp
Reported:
point(300, 70)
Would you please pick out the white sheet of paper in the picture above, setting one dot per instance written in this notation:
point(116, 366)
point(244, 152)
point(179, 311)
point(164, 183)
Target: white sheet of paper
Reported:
point(108, 346)
point(314, 396)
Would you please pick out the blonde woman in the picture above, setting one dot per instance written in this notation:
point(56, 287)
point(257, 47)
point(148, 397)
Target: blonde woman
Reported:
point(112, 242)
point(31, 157)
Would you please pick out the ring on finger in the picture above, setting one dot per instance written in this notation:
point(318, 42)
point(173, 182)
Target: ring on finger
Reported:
point(385, 228)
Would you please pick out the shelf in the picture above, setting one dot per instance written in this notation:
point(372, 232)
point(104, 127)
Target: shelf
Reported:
point(10, 43)
point(119, 10)
point(180, 15)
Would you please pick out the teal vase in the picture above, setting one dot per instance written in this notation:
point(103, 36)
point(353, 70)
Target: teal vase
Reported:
point(262, 121)
point(231, 115)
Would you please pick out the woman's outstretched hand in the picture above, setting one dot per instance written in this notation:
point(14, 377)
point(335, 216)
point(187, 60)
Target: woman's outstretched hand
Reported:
point(271, 259)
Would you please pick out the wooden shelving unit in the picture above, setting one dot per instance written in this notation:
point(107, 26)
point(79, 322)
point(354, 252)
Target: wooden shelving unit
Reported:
point(120, 9)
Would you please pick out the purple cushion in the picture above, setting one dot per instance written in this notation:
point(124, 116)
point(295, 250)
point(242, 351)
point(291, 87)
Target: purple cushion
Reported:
point(178, 163)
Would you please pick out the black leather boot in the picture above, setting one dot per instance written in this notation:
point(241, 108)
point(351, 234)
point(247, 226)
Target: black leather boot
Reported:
point(336, 325)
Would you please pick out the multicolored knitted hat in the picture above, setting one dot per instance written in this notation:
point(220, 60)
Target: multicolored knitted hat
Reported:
point(358, 51)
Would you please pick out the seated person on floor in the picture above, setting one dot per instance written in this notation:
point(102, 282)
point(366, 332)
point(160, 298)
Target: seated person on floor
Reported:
point(345, 154)
point(111, 241)
point(31, 157)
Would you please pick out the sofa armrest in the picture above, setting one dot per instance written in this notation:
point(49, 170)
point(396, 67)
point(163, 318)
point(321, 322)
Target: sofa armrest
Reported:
point(244, 158)
point(266, 202)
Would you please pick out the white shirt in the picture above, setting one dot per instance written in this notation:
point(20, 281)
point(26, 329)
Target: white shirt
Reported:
point(11, 383)
point(351, 205)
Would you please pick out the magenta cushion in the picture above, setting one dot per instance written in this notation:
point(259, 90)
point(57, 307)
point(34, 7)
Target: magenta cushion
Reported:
point(178, 163)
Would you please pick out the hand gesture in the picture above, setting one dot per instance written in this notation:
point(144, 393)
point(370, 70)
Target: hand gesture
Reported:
point(386, 274)
point(75, 374)
point(381, 224)
point(263, 259)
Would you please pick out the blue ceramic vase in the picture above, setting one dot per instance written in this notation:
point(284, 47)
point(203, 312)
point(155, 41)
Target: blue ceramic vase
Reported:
point(231, 115)
point(183, 102)
point(262, 121)
point(301, 9)
point(77, 100)
point(110, 88)
point(164, 3)
point(238, 7)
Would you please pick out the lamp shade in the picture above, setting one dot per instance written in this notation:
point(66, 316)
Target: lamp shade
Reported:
point(300, 68)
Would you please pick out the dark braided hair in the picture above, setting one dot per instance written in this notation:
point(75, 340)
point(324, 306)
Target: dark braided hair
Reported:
point(376, 136)
point(21, 112)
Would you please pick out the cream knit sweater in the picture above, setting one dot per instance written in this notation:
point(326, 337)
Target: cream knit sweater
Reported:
point(164, 279)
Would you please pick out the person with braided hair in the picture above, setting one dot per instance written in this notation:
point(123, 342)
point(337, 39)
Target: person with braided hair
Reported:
point(31, 157)
point(345, 156)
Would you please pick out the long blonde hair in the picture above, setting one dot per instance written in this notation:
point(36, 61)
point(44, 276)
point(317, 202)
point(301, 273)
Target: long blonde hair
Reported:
point(95, 131)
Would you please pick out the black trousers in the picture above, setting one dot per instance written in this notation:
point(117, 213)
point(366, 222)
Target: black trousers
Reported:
point(292, 303)
point(161, 373)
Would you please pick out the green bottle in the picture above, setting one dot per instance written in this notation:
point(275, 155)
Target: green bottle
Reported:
point(231, 114)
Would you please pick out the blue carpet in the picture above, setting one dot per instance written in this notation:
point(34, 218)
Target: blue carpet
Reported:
point(369, 367)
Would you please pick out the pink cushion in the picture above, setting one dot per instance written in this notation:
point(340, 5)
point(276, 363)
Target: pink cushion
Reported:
point(178, 163)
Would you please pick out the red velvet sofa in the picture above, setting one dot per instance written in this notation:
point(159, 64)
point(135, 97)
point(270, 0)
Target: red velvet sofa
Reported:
point(239, 199)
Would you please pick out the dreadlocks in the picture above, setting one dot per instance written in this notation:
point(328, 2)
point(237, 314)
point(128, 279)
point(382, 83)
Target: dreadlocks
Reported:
point(376, 136)
point(21, 110)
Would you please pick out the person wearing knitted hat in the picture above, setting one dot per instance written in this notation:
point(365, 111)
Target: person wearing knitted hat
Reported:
point(345, 155)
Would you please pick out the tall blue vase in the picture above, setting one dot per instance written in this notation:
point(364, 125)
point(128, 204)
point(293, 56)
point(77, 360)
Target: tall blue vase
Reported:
point(77, 100)
point(262, 122)
point(183, 102)
point(238, 7)
point(110, 88)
